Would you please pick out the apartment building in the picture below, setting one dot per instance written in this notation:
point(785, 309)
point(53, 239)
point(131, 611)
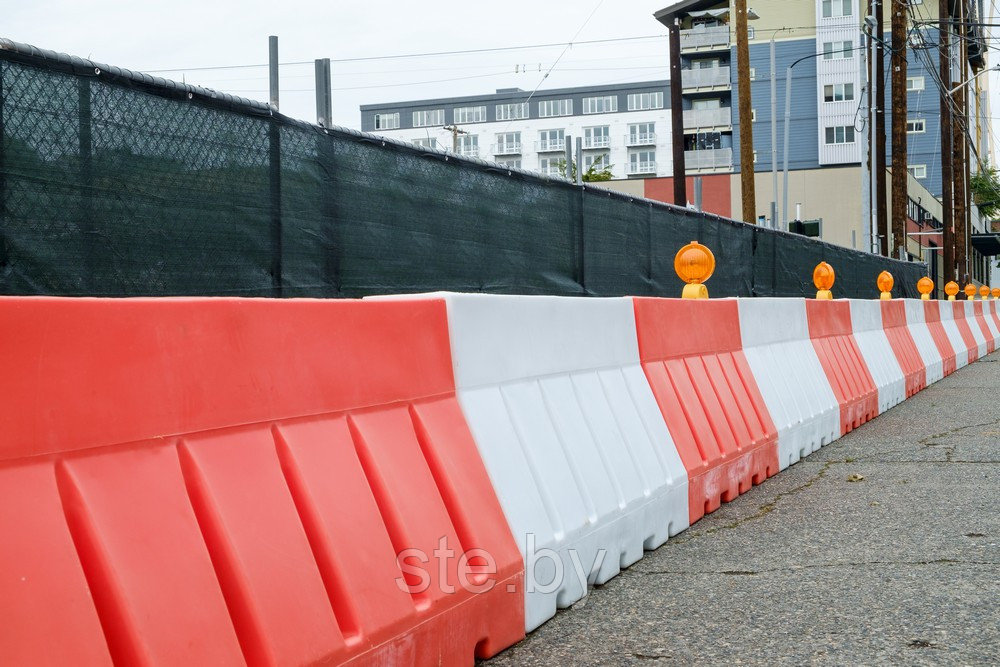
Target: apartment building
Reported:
point(625, 127)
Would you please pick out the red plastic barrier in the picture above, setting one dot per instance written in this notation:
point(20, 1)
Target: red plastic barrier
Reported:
point(692, 355)
point(219, 481)
point(832, 337)
point(977, 307)
point(932, 313)
point(962, 323)
point(903, 346)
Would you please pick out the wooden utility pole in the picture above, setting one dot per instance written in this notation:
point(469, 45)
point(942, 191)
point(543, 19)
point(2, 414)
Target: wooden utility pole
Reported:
point(455, 131)
point(881, 207)
point(677, 114)
point(900, 200)
point(746, 121)
point(958, 155)
point(947, 202)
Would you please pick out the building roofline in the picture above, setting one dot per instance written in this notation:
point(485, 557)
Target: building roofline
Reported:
point(665, 15)
point(519, 95)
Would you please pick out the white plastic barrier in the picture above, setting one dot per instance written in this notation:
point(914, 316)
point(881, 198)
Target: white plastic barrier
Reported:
point(796, 390)
point(869, 333)
point(916, 322)
point(954, 335)
point(991, 323)
point(571, 435)
point(977, 330)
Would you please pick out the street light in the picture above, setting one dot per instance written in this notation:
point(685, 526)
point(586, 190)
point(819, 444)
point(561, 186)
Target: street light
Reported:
point(973, 78)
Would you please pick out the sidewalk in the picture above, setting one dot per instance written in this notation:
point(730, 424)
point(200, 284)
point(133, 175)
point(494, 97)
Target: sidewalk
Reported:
point(883, 547)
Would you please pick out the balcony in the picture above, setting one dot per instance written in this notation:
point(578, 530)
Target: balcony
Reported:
point(468, 151)
point(550, 146)
point(641, 139)
point(643, 167)
point(509, 148)
point(700, 118)
point(596, 142)
point(708, 77)
point(705, 39)
point(712, 158)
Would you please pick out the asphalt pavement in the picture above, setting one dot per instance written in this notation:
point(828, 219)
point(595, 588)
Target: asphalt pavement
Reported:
point(881, 548)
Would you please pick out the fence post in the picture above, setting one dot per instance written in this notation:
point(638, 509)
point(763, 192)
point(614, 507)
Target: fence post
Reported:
point(86, 209)
point(274, 140)
point(3, 177)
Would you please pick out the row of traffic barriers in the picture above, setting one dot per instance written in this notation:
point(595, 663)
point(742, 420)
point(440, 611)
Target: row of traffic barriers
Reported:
point(415, 479)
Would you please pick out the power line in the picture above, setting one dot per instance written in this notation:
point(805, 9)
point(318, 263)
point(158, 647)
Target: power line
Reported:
point(417, 55)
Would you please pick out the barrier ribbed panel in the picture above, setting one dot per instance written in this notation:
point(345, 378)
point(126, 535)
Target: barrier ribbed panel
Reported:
point(692, 354)
point(852, 382)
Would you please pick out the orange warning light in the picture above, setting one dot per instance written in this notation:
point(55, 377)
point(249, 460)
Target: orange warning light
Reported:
point(694, 264)
point(951, 289)
point(885, 282)
point(984, 291)
point(970, 292)
point(823, 277)
point(996, 293)
point(925, 286)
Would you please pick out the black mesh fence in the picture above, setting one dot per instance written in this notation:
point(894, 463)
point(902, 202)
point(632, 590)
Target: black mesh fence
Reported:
point(116, 183)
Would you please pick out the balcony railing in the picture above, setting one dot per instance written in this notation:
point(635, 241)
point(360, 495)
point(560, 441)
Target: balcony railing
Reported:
point(553, 171)
point(704, 38)
point(695, 118)
point(550, 145)
point(706, 77)
point(712, 158)
point(640, 139)
point(509, 148)
point(468, 151)
point(644, 167)
point(596, 142)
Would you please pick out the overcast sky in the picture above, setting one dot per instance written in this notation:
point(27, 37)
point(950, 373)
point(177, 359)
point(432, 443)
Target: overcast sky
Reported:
point(148, 36)
point(153, 36)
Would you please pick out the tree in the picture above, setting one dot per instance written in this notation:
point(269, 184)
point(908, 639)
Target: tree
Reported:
point(595, 172)
point(985, 186)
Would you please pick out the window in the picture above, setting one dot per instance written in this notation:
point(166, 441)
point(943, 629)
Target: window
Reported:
point(707, 103)
point(551, 140)
point(838, 92)
point(468, 144)
point(470, 114)
point(640, 134)
point(841, 134)
point(608, 104)
point(597, 137)
point(508, 143)
point(510, 162)
point(551, 108)
point(837, 50)
point(917, 170)
point(426, 143)
point(916, 126)
point(512, 111)
point(552, 166)
point(914, 83)
point(387, 121)
point(599, 161)
point(644, 101)
point(833, 8)
point(428, 118)
point(642, 162)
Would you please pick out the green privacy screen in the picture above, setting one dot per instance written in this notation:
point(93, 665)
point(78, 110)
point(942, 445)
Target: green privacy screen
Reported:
point(114, 183)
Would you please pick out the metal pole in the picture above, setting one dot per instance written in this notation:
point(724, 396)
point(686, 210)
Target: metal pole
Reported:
point(272, 68)
point(324, 103)
point(788, 119)
point(866, 153)
point(697, 194)
point(677, 115)
point(579, 160)
point(569, 157)
point(774, 135)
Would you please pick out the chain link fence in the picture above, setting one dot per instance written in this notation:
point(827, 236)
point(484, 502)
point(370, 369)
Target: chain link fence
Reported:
point(115, 183)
